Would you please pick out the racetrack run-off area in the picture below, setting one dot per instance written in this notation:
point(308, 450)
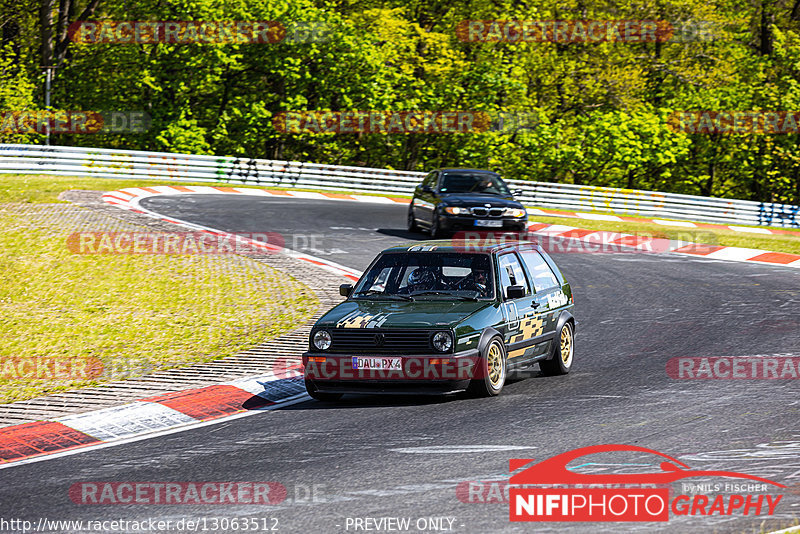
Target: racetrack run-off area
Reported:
point(339, 461)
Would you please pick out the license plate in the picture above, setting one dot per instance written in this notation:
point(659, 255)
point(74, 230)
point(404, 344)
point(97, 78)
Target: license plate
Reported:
point(489, 224)
point(390, 364)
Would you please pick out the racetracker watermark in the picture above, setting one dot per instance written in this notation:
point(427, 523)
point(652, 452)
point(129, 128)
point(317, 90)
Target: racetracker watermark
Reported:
point(383, 122)
point(483, 491)
point(200, 242)
point(498, 491)
point(160, 493)
point(445, 367)
point(287, 368)
point(73, 122)
point(580, 241)
point(50, 368)
point(734, 368)
point(386, 122)
point(735, 122)
point(93, 32)
point(564, 31)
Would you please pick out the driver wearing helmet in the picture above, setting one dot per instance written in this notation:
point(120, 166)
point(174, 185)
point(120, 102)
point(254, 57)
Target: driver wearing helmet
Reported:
point(423, 278)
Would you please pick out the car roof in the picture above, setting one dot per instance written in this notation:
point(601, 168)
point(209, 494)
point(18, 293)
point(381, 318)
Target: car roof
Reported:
point(447, 245)
point(460, 169)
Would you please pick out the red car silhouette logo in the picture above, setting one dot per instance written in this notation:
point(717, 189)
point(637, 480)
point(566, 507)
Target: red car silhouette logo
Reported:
point(554, 470)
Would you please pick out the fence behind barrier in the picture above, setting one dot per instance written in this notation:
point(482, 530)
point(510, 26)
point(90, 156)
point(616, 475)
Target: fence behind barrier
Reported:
point(109, 163)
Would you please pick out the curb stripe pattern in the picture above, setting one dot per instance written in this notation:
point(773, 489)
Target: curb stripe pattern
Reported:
point(154, 414)
point(646, 244)
point(662, 222)
point(129, 199)
point(43, 437)
point(123, 197)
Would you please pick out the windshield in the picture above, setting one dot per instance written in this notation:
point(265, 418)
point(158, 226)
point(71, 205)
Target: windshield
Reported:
point(428, 275)
point(474, 183)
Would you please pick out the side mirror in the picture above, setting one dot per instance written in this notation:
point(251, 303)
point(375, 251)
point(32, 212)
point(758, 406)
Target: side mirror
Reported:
point(427, 189)
point(515, 292)
point(345, 290)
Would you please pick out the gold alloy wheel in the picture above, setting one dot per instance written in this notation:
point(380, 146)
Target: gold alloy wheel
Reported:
point(566, 344)
point(494, 363)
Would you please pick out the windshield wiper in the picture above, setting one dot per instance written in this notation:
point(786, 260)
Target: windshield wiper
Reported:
point(373, 293)
point(461, 297)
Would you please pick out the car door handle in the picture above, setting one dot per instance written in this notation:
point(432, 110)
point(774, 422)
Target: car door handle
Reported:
point(535, 304)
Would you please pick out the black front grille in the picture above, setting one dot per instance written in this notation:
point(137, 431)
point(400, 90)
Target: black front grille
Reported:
point(379, 340)
point(479, 212)
point(483, 212)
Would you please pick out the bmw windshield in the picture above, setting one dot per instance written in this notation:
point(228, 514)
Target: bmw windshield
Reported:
point(482, 183)
point(428, 275)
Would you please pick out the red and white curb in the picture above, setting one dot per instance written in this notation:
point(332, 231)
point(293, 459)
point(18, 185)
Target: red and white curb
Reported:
point(167, 413)
point(130, 199)
point(602, 240)
point(663, 222)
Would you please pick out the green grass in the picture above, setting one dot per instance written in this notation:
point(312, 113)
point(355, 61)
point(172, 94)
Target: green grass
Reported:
point(135, 314)
point(37, 189)
point(45, 189)
point(712, 236)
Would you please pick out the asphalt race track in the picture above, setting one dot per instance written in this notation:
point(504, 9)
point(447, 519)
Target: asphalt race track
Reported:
point(373, 457)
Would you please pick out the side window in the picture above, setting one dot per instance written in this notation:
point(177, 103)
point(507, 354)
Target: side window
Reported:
point(511, 273)
point(543, 276)
point(430, 180)
point(380, 281)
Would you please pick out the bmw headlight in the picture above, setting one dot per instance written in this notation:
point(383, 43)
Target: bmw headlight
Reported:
point(455, 210)
point(515, 212)
point(442, 341)
point(322, 339)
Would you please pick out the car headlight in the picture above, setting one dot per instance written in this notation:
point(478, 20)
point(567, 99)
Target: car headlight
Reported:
point(455, 210)
point(322, 339)
point(442, 341)
point(515, 212)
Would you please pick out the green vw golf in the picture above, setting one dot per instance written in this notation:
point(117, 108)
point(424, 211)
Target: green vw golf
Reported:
point(442, 317)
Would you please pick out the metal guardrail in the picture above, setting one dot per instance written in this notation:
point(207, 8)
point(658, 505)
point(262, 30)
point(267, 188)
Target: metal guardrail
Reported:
point(109, 163)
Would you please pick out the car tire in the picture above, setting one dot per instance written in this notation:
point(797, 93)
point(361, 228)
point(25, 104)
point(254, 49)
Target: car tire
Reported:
point(493, 371)
point(319, 395)
point(436, 230)
point(563, 352)
point(412, 222)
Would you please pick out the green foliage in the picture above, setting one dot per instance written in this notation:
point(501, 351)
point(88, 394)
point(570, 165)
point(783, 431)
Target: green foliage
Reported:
point(16, 93)
point(601, 109)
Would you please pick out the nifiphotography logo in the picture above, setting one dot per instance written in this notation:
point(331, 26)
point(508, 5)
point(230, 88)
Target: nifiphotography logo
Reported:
point(549, 491)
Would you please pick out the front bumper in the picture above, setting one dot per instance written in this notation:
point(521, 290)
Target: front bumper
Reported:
point(467, 222)
point(385, 387)
point(431, 373)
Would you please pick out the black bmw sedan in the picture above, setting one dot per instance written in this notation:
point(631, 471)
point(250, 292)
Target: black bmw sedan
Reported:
point(462, 199)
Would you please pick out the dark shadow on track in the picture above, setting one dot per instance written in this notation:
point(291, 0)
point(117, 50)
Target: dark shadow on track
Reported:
point(377, 401)
point(403, 234)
